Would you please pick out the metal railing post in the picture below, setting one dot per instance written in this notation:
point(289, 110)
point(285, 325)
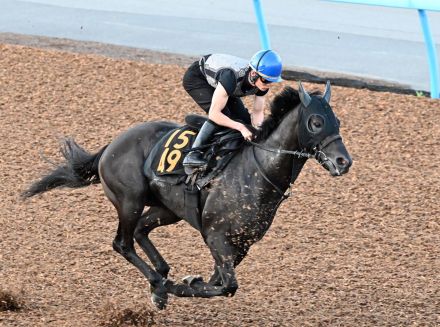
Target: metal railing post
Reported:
point(262, 28)
point(432, 55)
point(421, 6)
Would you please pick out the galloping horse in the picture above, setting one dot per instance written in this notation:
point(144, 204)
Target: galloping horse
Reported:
point(237, 207)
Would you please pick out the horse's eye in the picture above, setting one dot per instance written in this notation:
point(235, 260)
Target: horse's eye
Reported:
point(316, 123)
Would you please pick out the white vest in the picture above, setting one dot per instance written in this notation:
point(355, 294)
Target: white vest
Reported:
point(216, 62)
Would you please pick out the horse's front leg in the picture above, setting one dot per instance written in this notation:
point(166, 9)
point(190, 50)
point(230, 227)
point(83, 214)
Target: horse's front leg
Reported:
point(216, 278)
point(226, 256)
point(223, 282)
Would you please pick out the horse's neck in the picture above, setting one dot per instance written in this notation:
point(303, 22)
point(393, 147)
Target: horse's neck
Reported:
point(284, 137)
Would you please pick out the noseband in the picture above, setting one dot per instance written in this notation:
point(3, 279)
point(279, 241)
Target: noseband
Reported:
point(320, 156)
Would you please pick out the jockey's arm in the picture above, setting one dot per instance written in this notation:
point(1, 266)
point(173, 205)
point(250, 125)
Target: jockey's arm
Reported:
point(257, 115)
point(218, 103)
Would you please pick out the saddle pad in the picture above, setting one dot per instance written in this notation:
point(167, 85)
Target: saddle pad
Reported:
point(172, 148)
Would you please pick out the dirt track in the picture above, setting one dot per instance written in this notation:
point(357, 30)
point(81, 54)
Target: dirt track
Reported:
point(361, 250)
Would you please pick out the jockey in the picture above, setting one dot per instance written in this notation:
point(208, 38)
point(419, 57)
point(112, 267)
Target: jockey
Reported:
point(217, 81)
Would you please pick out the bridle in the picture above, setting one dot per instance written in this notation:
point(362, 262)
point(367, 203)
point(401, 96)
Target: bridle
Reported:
point(316, 153)
point(320, 156)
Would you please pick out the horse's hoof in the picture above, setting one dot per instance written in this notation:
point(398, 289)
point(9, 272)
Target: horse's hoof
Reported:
point(159, 301)
point(188, 280)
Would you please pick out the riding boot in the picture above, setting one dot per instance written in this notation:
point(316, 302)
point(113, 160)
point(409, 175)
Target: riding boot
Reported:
point(194, 159)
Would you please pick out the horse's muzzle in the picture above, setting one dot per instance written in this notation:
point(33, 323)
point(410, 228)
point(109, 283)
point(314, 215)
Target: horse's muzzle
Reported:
point(335, 159)
point(337, 167)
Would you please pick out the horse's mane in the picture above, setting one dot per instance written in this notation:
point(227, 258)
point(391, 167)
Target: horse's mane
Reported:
point(284, 102)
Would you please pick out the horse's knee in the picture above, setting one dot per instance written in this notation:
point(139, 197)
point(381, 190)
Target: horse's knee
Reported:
point(125, 251)
point(117, 246)
point(139, 234)
point(143, 229)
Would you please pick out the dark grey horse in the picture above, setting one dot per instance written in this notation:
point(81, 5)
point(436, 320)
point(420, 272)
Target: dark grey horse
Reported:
point(238, 206)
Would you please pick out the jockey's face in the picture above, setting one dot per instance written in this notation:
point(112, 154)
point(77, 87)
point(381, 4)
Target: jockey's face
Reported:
point(260, 82)
point(263, 84)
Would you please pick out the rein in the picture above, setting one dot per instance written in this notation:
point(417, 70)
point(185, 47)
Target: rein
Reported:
point(298, 154)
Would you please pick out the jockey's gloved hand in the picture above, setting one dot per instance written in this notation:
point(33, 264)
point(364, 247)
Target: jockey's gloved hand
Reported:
point(246, 133)
point(254, 130)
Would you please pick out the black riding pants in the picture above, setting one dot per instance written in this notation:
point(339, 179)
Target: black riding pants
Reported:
point(199, 89)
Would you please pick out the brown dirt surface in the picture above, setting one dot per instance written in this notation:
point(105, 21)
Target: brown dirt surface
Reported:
point(360, 250)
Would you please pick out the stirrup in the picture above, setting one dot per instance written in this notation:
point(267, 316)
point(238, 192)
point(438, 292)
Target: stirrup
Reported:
point(190, 170)
point(200, 162)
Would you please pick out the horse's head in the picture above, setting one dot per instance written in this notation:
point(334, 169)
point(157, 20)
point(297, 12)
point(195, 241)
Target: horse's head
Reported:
point(318, 132)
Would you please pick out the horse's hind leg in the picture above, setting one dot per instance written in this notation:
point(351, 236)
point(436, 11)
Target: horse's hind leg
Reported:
point(129, 212)
point(150, 220)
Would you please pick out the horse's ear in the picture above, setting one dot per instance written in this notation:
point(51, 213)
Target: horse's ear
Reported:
point(327, 92)
point(303, 95)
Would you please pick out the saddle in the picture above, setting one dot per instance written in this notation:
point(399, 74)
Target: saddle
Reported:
point(164, 163)
point(165, 159)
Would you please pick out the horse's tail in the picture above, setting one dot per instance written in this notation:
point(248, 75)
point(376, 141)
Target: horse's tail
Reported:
point(79, 170)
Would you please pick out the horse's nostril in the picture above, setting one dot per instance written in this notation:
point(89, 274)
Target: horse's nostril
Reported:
point(342, 162)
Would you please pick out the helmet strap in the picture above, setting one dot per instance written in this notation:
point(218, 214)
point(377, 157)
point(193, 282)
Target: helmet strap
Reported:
point(253, 76)
point(253, 79)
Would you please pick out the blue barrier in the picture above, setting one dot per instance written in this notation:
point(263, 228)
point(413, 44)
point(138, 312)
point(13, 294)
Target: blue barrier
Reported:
point(409, 4)
point(262, 27)
point(432, 55)
point(421, 6)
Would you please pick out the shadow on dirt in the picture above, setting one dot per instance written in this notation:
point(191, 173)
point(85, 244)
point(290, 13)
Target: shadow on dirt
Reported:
point(10, 301)
point(114, 317)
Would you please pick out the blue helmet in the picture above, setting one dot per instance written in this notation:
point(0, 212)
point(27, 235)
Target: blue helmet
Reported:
point(267, 63)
